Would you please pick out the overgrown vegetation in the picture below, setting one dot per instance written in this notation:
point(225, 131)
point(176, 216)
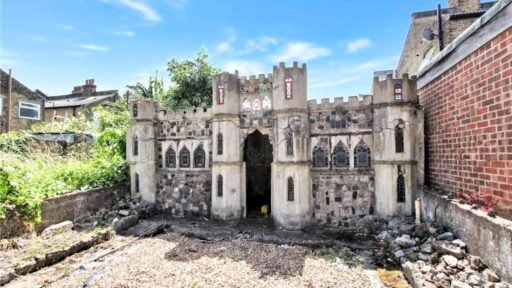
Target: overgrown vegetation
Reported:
point(31, 171)
point(190, 84)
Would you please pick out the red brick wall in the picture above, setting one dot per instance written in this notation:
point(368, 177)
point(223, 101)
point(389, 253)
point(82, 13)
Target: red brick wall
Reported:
point(468, 122)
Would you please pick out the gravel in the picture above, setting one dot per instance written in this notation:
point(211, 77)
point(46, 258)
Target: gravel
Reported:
point(171, 260)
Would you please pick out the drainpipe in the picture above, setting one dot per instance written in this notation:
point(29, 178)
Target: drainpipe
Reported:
point(8, 112)
point(440, 28)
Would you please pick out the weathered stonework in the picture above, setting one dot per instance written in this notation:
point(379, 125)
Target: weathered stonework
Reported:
point(263, 146)
point(185, 194)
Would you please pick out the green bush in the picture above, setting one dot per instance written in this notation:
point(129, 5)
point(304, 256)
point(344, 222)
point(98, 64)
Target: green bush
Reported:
point(29, 175)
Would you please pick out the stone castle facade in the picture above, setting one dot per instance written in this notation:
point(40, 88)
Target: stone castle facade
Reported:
point(263, 143)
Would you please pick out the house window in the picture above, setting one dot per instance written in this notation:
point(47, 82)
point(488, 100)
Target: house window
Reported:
point(400, 187)
point(362, 156)
point(220, 144)
point(137, 183)
point(135, 146)
point(220, 94)
point(399, 137)
point(397, 91)
point(289, 142)
point(288, 86)
point(170, 158)
point(340, 157)
point(135, 110)
point(220, 185)
point(184, 158)
point(1, 105)
point(199, 157)
point(30, 111)
point(291, 189)
point(320, 157)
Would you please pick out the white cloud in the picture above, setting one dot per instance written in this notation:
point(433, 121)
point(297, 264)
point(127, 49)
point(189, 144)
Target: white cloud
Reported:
point(227, 45)
point(144, 9)
point(302, 51)
point(94, 47)
point(224, 47)
point(259, 44)
point(358, 44)
point(244, 67)
point(124, 33)
point(334, 82)
point(67, 27)
point(8, 59)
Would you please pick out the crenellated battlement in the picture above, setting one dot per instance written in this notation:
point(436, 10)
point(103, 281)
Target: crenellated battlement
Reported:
point(354, 102)
point(180, 114)
point(282, 66)
point(384, 90)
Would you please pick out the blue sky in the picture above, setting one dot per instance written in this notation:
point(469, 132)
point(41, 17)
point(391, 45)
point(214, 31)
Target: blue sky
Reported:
point(54, 45)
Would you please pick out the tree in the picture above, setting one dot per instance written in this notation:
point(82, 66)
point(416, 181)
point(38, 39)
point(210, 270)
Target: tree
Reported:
point(191, 82)
point(155, 89)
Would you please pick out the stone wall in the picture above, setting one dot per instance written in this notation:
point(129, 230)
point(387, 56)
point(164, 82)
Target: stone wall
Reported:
point(185, 193)
point(71, 206)
point(467, 95)
point(339, 195)
point(489, 238)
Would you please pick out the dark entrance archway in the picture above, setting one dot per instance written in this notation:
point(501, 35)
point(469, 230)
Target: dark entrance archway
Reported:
point(258, 159)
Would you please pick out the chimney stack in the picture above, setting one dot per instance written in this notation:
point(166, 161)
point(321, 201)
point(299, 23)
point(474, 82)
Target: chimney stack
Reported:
point(89, 88)
point(464, 5)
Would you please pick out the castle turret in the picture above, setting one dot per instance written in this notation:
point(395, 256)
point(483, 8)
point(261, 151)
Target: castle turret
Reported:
point(140, 148)
point(398, 142)
point(228, 173)
point(291, 199)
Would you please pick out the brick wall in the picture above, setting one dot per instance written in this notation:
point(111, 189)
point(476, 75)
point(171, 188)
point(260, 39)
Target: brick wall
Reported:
point(70, 206)
point(19, 92)
point(468, 123)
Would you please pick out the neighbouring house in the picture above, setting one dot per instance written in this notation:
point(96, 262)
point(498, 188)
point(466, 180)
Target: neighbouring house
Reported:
point(459, 15)
point(20, 107)
point(264, 144)
point(466, 92)
point(79, 103)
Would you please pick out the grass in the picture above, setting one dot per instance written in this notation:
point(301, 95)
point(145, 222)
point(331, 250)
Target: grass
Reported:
point(392, 278)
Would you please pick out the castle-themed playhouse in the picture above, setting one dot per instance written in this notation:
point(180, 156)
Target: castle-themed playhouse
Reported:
point(263, 143)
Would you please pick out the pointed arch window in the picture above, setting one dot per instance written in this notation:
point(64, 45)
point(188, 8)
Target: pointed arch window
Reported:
point(291, 189)
point(220, 144)
point(400, 187)
point(137, 183)
point(135, 110)
point(362, 156)
point(220, 186)
point(320, 157)
point(170, 158)
point(399, 137)
point(184, 158)
point(199, 157)
point(340, 157)
point(397, 92)
point(135, 146)
point(289, 142)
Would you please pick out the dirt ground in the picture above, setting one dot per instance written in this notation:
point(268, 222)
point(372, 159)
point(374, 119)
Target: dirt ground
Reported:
point(206, 254)
point(171, 260)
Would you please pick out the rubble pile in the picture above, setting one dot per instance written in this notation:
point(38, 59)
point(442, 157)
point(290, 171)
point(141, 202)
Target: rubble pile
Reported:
point(430, 256)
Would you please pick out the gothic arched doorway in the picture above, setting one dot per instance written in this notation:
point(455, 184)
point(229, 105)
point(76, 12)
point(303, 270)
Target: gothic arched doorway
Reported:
point(258, 160)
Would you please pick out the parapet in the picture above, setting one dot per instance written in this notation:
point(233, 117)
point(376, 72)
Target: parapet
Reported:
point(180, 114)
point(384, 90)
point(295, 65)
point(253, 84)
point(354, 102)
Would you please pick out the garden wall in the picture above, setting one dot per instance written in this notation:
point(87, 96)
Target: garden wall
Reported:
point(70, 206)
point(489, 238)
